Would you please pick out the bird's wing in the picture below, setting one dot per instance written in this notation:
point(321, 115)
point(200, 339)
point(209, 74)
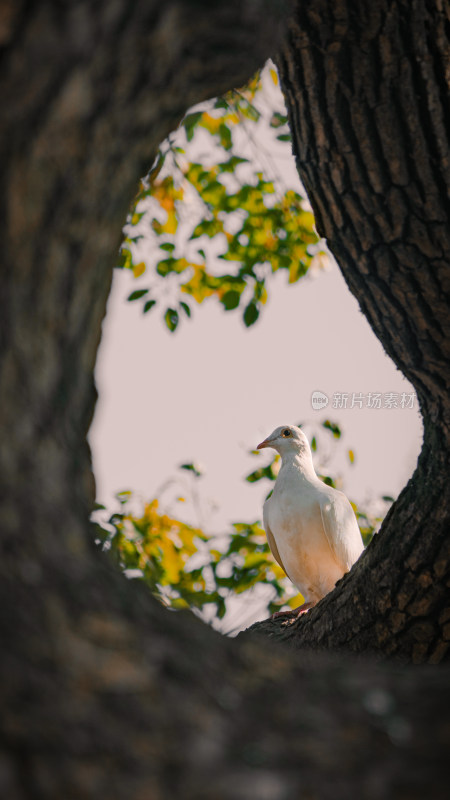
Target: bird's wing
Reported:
point(271, 538)
point(341, 529)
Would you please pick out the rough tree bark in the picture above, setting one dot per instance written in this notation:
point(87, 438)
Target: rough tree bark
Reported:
point(103, 693)
point(367, 86)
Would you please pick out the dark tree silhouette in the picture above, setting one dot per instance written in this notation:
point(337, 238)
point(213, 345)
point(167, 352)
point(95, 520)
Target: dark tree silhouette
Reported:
point(104, 693)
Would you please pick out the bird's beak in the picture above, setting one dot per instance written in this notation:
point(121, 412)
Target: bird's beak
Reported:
point(265, 443)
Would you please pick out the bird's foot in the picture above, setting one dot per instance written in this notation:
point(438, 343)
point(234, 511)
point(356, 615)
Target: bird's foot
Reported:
point(296, 612)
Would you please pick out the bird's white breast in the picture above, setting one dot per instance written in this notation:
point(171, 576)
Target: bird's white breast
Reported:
point(294, 517)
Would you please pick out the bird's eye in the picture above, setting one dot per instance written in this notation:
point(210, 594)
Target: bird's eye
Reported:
point(286, 432)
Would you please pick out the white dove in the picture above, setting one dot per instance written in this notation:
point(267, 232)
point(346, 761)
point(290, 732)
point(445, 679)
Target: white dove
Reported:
point(311, 527)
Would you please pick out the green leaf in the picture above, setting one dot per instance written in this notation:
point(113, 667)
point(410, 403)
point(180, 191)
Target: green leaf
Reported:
point(231, 299)
point(262, 472)
point(278, 120)
point(284, 137)
point(232, 163)
point(137, 294)
point(125, 259)
point(185, 308)
point(189, 123)
point(251, 314)
point(168, 265)
point(209, 227)
point(149, 304)
point(220, 103)
point(195, 468)
point(167, 246)
point(333, 428)
point(171, 319)
point(124, 496)
point(225, 137)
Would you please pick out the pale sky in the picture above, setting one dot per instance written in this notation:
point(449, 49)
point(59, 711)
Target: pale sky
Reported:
point(211, 391)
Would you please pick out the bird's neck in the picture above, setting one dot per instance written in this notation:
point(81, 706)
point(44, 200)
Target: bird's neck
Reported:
point(301, 462)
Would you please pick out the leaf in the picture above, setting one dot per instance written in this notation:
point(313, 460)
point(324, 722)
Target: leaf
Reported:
point(157, 166)
point(278, 120)
point(225, 137)
point(296, 270)
point(333, 428)
point(220, 103)
point(135, 218)
point(296, 601)
point(171, 319)
point(194, 468)
point(231, 299)
point(231, 164)
point(138, 269)
point(189, 123)
point(167, 246)
point(351, 456)
point(251, 314)
point(137, 294)
point(124, 495)
point(208, 227)
point(149, 305)
point(124, 261)
point(284, 137)
point(171, 225)
point(274, 76)
point(212, 124)
point(185, 308)
point(263, 472)
point(168, 265)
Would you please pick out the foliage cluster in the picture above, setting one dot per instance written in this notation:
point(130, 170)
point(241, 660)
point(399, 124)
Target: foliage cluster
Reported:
point(219, 230)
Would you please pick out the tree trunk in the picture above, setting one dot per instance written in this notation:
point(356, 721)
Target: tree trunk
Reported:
point(368, 92)
point(104, 693)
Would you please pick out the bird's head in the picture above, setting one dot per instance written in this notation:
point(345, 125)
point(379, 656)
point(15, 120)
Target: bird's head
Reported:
point(286, 439)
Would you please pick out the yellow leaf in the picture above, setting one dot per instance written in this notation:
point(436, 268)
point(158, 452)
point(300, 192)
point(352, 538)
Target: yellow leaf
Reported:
point(138, 269)
point(212, 124)
point(296, 601)
point(233, 118)
point(172, 223)
point(295, 271)
point(277, 571)
point(274, 76)
point(351, 456)
point(271, 242)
